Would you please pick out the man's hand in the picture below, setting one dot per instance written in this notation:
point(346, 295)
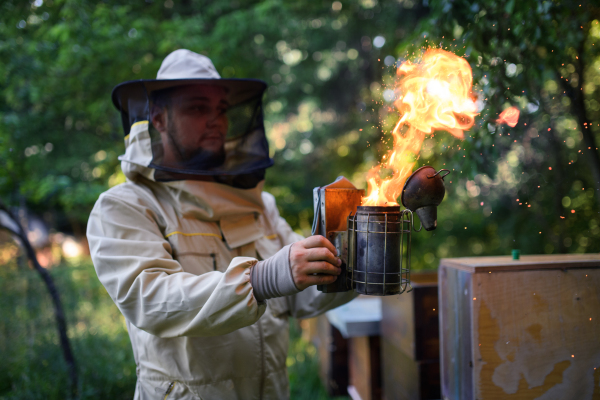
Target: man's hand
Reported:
point(314, 262)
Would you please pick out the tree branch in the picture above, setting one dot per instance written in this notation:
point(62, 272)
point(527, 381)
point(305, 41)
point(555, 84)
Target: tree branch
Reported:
point(58, 309)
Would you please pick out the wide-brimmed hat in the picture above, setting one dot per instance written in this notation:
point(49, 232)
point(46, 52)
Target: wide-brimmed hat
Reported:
point(184, 67)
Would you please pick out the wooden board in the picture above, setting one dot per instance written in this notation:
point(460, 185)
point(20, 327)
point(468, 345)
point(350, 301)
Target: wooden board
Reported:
point(408, 379)
point(539, 333)
point(365, 366)
point(410, 320)
point(333, 358)
point(506, 263)
point(410, 341)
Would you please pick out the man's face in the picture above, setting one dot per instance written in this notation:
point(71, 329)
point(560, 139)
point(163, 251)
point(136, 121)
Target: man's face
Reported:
point(193, 124)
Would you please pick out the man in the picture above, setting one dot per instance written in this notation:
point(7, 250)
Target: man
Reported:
point(192, 251)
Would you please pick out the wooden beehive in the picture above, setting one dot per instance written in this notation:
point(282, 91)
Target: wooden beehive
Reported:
point(410, 341)
point(333, 357)
point(364, 362)
point(520, 329)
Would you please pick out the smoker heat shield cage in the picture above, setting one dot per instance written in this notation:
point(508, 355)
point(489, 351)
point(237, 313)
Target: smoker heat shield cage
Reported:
point(379, 243)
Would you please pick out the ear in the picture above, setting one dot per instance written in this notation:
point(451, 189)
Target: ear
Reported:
point(159, 118)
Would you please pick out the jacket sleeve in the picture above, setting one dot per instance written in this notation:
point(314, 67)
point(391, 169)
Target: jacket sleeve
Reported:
point(310, 302)
point(134, 262)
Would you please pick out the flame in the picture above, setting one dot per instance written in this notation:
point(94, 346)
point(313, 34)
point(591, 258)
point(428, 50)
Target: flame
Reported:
point(435, 95)
point(510, 117)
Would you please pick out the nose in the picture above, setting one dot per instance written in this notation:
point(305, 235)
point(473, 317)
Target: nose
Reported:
point(217, 120)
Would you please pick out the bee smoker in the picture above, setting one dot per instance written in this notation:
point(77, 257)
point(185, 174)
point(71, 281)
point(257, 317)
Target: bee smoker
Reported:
point(374, 242)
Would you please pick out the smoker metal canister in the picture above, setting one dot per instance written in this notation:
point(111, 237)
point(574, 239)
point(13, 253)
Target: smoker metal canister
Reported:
point(377, 239)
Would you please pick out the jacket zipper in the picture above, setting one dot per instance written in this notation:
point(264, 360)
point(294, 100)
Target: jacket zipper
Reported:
point(169, 390)
point(262, 361)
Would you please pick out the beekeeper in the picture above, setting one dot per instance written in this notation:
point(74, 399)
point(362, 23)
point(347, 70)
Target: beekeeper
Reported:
point(190, 248)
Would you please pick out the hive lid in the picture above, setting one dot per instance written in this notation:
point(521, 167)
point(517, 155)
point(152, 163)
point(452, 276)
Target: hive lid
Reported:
point(532, 262)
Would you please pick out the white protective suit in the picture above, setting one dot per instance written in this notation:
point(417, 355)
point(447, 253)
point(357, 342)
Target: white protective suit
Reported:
point(176, 257)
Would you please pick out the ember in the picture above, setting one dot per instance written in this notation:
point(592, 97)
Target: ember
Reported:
point(510, 117)
point(435, 95)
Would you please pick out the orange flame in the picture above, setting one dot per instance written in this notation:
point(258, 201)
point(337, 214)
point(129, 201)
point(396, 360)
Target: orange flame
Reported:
point(510, 117)
point(435, 95)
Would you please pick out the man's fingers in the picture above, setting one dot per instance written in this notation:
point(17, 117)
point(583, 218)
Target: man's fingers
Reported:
point(321, 267)
point(318, 241)
point(322, 254)
point(320, 279)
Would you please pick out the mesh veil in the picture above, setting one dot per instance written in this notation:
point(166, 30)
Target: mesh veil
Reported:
point(232, 147)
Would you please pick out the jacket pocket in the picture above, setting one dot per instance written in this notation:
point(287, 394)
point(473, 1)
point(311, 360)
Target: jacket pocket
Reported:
point(198, 263)
point(196, 253)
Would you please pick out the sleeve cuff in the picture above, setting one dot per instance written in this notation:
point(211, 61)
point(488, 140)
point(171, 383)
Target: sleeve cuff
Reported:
point(273, 277)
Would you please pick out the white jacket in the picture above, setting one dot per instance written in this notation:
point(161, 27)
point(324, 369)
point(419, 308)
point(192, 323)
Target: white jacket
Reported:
point(175, 257)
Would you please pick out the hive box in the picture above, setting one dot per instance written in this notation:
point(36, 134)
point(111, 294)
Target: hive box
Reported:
point(359, 322)
point(333, 357)
point(410, 341)
point(524, 329)
point(347, 339)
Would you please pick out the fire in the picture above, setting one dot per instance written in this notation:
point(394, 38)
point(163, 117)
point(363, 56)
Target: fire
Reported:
point(435, 95)
point(510, 117)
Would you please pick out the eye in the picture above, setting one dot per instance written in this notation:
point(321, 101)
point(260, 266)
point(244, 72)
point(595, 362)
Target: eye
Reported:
point(201, 108)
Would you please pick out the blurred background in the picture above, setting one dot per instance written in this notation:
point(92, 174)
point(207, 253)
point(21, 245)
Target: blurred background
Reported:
point(330, 67)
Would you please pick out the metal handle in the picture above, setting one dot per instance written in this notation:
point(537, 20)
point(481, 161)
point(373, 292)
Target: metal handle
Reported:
point(317, 214)
point(437, 173)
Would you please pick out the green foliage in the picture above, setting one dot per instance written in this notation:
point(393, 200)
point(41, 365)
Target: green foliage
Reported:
point(326, 116)
point(33, 366)
point(60, 136)
point(303, 367)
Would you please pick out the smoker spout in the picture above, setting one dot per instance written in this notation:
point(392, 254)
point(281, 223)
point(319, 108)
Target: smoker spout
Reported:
point(428, 217)
point(423, 191)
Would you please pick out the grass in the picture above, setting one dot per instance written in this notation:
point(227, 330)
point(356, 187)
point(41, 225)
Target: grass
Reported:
point(32, 366)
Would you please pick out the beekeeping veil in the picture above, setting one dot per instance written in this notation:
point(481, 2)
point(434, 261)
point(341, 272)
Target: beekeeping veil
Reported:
point(197, 125)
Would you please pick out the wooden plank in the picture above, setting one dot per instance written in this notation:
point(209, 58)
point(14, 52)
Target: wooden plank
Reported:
point(407, 379)
point(400, 373)
point(424, 278)
point(532, 262)
point(410, 320)
point(360, 366)
point(536, 334)
point(455, 333)
point(333, 358)
point(376, 379)
point(360, 317)
point(427, 327)
point(365, 366)
point(397, 322)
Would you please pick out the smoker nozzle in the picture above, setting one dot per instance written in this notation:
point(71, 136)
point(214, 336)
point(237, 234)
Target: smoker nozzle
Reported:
point(423, 191)
point(428, 217)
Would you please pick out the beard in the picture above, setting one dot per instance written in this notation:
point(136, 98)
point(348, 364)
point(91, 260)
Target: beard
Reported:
point(196, 160)
point(203, 160)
